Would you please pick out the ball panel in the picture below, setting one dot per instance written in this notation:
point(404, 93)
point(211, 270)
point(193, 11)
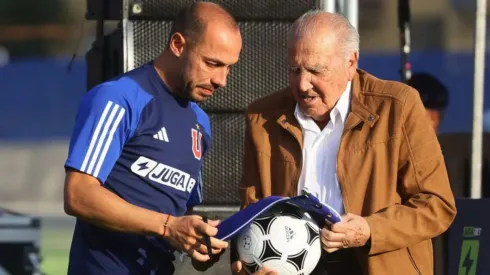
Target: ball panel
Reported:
point(269, 253)
point(248, 243)
point(281, 267)
point(289, 235)
point(298, 260)
point(312, 256)
point(312, 232)
point(264, 223)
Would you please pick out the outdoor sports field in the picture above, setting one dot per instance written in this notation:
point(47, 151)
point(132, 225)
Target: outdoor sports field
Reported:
point(55, 246)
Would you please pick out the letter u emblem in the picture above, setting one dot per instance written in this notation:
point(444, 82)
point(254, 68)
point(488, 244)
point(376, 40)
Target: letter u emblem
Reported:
point(196, 144)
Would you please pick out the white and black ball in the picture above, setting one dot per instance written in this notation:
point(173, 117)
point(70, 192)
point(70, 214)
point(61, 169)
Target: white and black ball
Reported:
point(287, 241)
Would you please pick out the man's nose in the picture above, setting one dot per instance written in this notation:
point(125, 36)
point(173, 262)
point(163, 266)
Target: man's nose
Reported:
point(304, 82)
point(219, 79)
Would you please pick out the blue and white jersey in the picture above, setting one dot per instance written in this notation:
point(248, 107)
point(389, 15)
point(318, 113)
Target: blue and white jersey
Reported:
point(147, 146)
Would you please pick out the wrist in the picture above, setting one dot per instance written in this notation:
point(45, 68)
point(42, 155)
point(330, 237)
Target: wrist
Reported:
point(159, 227)
point(166, 229)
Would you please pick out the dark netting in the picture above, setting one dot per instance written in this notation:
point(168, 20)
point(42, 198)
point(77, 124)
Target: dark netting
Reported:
point(265, 10)
point(223, 164)
point(149, 40)
point(260, 71)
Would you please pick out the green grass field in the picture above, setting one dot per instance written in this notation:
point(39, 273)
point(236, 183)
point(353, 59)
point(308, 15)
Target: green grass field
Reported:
point(55, 246)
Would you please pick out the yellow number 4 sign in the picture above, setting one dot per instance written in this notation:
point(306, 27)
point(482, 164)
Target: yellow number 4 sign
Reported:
point(469, 257)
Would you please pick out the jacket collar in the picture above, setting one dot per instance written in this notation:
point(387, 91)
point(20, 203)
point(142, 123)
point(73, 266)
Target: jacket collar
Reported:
point(359, 112)
point(288, 121)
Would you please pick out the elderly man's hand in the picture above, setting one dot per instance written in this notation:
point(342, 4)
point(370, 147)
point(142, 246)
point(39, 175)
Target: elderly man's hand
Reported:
point(352, 231)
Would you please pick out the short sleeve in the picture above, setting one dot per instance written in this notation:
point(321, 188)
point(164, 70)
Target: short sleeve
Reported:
point(102, 127)
point(196, 196)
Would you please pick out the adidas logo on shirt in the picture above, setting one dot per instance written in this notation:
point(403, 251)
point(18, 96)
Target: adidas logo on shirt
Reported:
point(161, 135)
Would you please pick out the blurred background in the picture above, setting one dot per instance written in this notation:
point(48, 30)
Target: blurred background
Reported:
point(43, 74)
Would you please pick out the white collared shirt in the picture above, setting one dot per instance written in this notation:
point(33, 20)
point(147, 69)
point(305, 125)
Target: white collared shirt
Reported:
point(320, 149)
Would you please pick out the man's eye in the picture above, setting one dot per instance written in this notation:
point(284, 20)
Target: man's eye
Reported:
point(294, 70)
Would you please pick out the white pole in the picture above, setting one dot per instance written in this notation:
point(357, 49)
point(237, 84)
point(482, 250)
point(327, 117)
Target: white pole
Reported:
point(348, 8)
point(341, 6)
point(478, 80)
point(326, 5)
point(352, 12)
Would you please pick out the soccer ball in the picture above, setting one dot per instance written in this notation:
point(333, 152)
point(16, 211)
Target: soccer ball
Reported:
point(286, 239)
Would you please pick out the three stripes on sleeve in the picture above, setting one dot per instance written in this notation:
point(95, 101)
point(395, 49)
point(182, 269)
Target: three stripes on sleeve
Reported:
point(97, 142)
point(102, 138)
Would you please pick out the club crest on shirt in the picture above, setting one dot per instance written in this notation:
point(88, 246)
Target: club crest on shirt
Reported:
point(196, 142)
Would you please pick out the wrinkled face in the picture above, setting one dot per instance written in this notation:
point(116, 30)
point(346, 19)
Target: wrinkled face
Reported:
point(207, 62)
point(318, 74)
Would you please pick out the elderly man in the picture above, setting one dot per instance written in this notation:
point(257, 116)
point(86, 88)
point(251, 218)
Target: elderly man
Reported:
point(361, 144)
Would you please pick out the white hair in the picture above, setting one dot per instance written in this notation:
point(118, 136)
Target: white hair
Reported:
point(346, 35)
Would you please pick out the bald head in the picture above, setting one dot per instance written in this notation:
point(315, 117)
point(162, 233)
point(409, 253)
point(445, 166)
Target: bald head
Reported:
point(205, 42)
point(193, 21)
point(325, 27)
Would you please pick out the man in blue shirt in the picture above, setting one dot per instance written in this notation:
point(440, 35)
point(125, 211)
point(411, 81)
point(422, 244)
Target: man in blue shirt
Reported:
point(133, 170)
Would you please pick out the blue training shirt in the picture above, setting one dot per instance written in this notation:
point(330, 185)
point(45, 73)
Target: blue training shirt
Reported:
point(147, 146)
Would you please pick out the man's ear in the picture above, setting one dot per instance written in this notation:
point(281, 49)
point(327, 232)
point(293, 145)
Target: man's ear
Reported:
point(353, 59)
point(177, 44)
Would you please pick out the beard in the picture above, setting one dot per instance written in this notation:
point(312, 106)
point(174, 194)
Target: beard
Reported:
point(192, 92)
point(195, 91)
point(186, 91)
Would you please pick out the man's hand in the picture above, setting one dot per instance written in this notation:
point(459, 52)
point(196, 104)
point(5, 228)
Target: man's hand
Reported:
point(203, 266)
point(187, 233)
point(352, 231)
point(236, 268)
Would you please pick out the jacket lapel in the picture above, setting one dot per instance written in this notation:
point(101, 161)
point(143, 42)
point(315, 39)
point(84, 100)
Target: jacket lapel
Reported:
point(359, 112)
point(288, 121)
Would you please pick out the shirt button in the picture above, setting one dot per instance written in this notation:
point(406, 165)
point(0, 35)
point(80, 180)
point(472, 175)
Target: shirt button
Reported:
point(370, 118)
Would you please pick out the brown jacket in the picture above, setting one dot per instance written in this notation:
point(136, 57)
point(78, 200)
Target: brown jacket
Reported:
point(389, 166)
